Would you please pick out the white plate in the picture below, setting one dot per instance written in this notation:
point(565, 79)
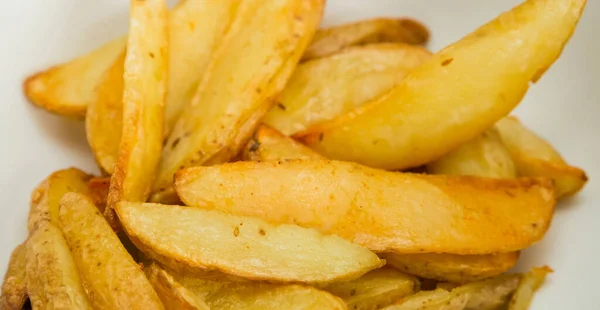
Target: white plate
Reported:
point(563, 107)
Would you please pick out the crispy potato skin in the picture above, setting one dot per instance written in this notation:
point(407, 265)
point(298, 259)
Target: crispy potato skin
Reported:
point(99, 256)
point(535, 157)
point(453, 268)
point(193, 240)
point(68, 89)
point(250, 67)
point(98, 192)
point(331, 40)
point(268, 144)
point(52, 278)
point(323, 89)
point(14, 286)
point(172, 294)
point(383, 211)
point(450, 99)
point(529, 284)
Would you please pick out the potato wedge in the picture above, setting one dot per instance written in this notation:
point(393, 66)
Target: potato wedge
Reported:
point(378, 30)
point(484, 295)
point(45, 198)
point(268, 144)
point(451, 98)
point(100, 257)
point(195, 29)
point(68, 89)
point(14, 287)
point(529, 284)
point(453, 268)
point(376, 289)
point(535, 157)
point(98, 192)
point(52, 278)
point(193, 239)
point(144, 93)
point(485, 156)
point(172, 294)
point(323, 89)
point(250, 67)
point(386, 211)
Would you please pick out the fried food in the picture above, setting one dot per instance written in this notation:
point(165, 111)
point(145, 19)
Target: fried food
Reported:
point(529, 284)
point(14, 287)
point(172, 294)
point(268, 144)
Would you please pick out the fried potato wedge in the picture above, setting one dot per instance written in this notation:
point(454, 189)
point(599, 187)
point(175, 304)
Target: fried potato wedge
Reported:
point(378, 30)
point(323, 89)
point(485, 295)
point(45, 198)
point(529, 284)
point(192, 239)
point(380, 210)
point(14, 287)
point(98, 192)
point(453, 268)
point(250, 67)
point(268, 144)
point(451, 98)
point(172, 294)
point(485, 156)
point(107, 271)
point(52, 278)
point(68, 89)
point(144, 93)
point(535, 157)
point(376, 289)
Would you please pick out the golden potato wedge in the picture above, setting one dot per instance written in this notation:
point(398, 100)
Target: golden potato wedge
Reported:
point(268, 144)
point(172, 294)
point(380, 210)
point(452, 98)
point(107, 271)
point(376, 289)
point(333, 39)
point(535, 157)
point(195, 29)
point(453, 268)
point(323, 89)
point(484, 295)
point(191, 239)
point(67, 89)
point(52, 278)
point(529, 284)
point(485, 156)
point(144, 93)
point(250, 67)
point(14, 287)
point(45, 198)
point(98, 192)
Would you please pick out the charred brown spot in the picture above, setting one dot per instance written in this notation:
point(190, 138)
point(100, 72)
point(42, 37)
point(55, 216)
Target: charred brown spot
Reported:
point(321, 137)
point(534, 225)
point(509, 193)
point(151, 55)
point(254, 146)
point(174, 144)
point(236, 231)
point(258, 90)
point(447, 62)
point(99, 264)
point(261, 232)
point(281, 106)
point(353, 292)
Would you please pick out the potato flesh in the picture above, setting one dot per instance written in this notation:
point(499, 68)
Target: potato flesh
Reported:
point(252, 64)
point(382, 211)
point(99, 256)
point(191, 239)
point(52, 278)
point(449, 99)
point(268, 144)
point(323, 89)
point(485, 156)
point(172, 294)
point(530, 282)
point(14, 286)
point(535, 157)
point(331, 40)
point(453, 268)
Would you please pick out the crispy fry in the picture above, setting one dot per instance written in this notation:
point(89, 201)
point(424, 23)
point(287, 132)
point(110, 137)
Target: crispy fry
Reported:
point(376, 289)
point(380, 210)
point(379, 30)
point(145, 82)
point(98, 192)
point(191, 239)
point(250, 67)
point(530, 282)
point(484, 156)
point(68, 89)
point(322, 89)
point(52, 278)
point(269, 144)
point(172, 294)
point(450, 99)
point(453, 268)
point(45, 198)
point(14, 286)
point(535, 157)
point(100, 257)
